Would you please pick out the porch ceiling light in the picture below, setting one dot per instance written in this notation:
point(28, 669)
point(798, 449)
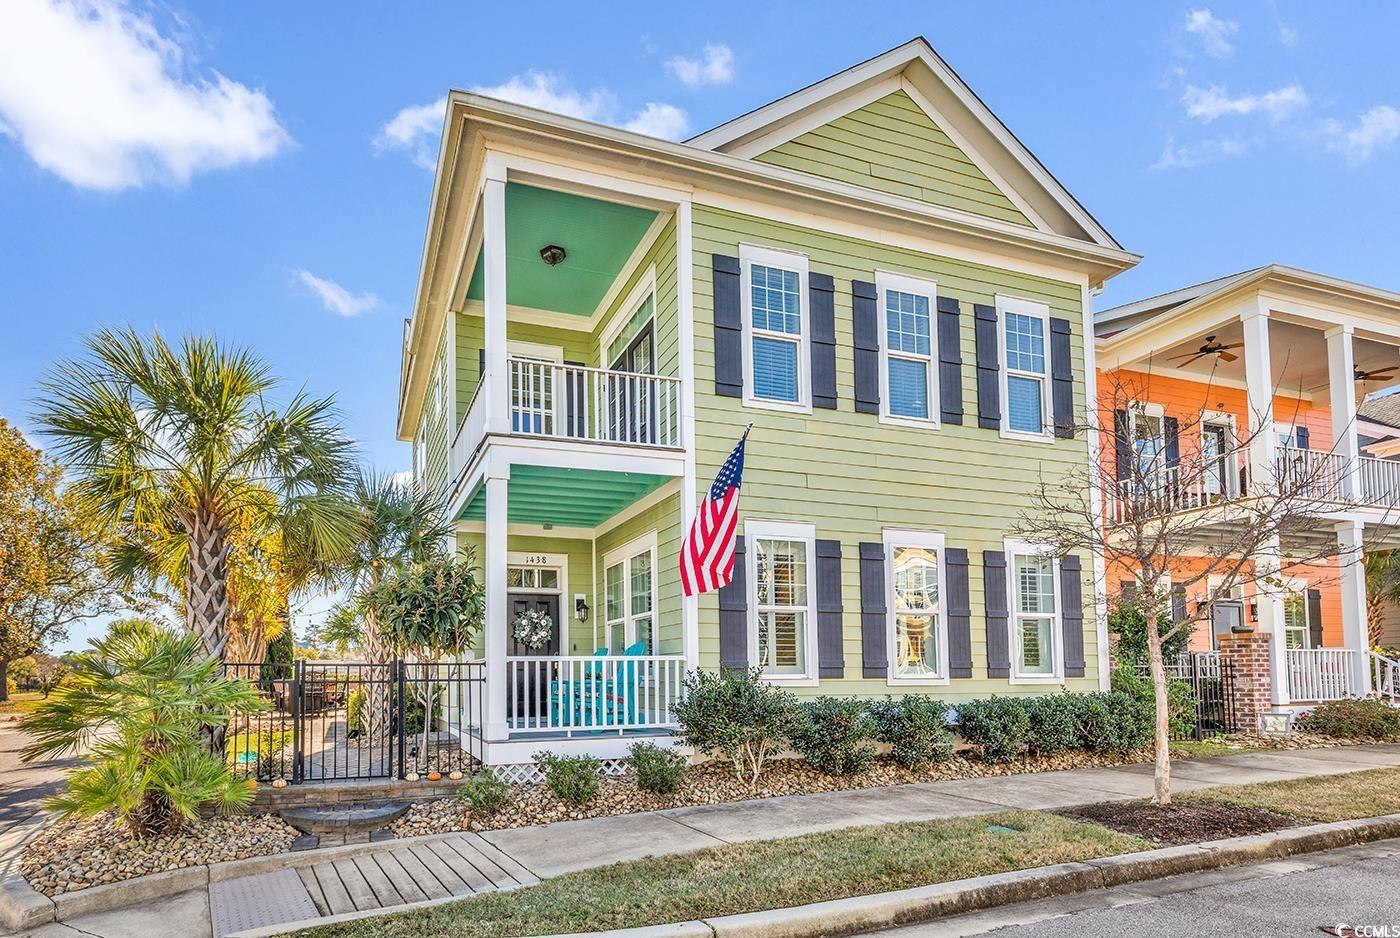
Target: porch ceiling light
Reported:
point(552, 254)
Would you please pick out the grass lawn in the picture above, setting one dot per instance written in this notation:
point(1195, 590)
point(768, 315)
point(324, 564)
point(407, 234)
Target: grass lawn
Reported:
point(764, 875)
point(1206, 747)
point(1310, 800)
point(21, 702)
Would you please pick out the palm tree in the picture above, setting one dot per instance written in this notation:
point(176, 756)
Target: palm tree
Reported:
point(173, 448)
point(1382, 587)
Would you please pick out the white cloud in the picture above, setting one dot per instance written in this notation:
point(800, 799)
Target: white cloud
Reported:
point(1287, 35)
point(1215, 33)
point(1208, 104)
point(415, 129)
point(97, 95)
point(660, 120)
point(336, 298)
point(1187, 156)
point(1375, 130)
point(717, 68)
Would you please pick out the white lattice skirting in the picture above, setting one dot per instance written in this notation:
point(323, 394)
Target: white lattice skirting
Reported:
point(527, 773)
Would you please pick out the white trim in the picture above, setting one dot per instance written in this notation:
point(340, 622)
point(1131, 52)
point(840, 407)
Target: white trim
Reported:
point(549, 318)
point(643, 288)
point(754, 530)
point(1015, 548)
point(685, 328)
point(932, 541)
point(624, 554)
point(1024, 307)
point(537, 350)
point(903, 283)
point(1091, 407)
point(795, 262)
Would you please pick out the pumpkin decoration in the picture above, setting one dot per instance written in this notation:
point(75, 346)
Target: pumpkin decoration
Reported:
point(411, 777)
point(434, 776)
point(279, 783)
point(454, 775)
point(251, 783)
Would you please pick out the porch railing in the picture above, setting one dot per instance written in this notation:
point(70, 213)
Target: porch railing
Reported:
point(1321, 673)
point(578, 403)
point(1385, 677)
point(569, 694)
point(1311, 473)
point(1380, 481)
point(1169, 489)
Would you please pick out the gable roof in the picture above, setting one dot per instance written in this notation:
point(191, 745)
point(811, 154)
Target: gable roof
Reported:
point(919, 70)
point(1383, 409)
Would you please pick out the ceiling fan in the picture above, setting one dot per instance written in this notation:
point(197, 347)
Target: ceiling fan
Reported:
point(1375, 373)
point(1211, 347)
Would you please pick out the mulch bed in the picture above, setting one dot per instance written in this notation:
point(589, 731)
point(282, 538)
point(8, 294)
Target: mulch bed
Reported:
point(1181, 823)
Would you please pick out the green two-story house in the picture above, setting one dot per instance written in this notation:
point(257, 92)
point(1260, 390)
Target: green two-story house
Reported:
point(877, 275)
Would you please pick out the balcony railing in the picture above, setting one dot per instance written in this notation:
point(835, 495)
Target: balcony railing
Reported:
point(1321, 673)
point(1380, 481)
point(567, 694)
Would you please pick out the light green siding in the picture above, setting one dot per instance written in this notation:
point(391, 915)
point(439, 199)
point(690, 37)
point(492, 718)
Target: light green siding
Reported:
point(434, 421)
point(577, 344)
point(852, 476)
point(665, 519)
point(892, 146)
point(662, 255)
point(579, 552)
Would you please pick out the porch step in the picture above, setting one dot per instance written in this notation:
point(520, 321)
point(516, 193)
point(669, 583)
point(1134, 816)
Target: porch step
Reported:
point(344, 824)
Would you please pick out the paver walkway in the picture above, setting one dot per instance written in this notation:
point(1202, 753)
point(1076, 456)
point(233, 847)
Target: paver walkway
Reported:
point(390, 874)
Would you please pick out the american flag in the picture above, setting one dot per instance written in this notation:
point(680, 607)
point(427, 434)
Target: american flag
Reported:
point(707, 559)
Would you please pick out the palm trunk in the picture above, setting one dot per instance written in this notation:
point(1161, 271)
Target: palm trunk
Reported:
point(206, 587)
point(4, 679)
point(377, 718)
point(1162, 765)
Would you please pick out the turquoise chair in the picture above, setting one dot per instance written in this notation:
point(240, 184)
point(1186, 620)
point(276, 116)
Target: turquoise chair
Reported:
point(621, 692)
point(586, 704)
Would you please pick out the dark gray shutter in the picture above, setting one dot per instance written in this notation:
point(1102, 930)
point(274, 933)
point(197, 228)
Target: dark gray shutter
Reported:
point(1171, 433)
point(988, 367)
point(1315, 617)
point(959, 606)
point(1300, 436)
point(1061, 379)
point(480, 363)
point(1123, 445)
point(1178, 600)
point(831, 658)
point(821, 306)
point(996, 615)
point(950, 402)
point(729, 327)
point(734, 615)
point(865, 327)
point(1072, 614)
point(874, 657)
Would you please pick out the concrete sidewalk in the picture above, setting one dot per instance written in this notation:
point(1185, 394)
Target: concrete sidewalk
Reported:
point(573, 845)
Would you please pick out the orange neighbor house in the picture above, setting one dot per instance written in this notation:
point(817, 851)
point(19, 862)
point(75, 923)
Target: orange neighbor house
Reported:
point(1279, 358)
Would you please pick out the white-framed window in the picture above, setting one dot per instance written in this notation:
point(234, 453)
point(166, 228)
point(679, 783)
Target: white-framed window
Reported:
point(420, 454)
point(777, 366)
point(1297, 631)
point(781, 560)
point(1034, 596)
point(1147, 433)
point(629, 595)
point(1217, 442)
point(916, 630)
point(908, 349)
point(1023, 331)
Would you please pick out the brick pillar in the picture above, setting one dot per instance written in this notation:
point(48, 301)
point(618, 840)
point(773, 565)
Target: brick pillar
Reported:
point(1248, 655)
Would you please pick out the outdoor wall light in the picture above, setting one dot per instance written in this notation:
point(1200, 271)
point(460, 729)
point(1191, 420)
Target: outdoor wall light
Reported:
point(580, 609)
point(552, 254)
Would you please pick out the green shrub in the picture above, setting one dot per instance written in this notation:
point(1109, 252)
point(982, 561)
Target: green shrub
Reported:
point(658, 770)
point(735, 716)
point(832, 734)
point(916, 729)
point(999, 726)
point(1115, 722)
point(355, 710)
point(1128, 620)
point(484, 792)
point(1181, 702)
point(573, 778)
point(1055, 723)
point(1353, 719)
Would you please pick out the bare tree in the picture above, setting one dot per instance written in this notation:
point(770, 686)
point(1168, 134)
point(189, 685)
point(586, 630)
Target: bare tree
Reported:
point(1164, 504)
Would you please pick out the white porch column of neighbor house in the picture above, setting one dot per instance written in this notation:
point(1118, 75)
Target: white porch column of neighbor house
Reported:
point(493, 246)
point(1353, 577)
point(1268, 601)
point(496, 603)
point(1340, 372)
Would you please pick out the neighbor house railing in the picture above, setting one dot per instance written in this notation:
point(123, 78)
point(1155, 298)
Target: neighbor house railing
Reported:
point(1380, 481)
point(1321, 673)
point(592, 693)
point(1385, 677)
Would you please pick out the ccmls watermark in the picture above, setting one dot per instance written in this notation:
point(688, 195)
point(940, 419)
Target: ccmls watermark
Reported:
point(1342, 930)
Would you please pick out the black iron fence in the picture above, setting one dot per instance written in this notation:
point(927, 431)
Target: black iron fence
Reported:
point(1212, 682)
point(351, 720)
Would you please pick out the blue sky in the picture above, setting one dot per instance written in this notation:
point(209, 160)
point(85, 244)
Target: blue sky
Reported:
point(255, 169)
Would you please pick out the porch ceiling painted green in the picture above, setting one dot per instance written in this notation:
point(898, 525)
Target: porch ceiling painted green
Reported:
point(582, 498)
point(597, 236)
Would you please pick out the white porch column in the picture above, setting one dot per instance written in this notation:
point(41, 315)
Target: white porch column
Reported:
point(497, 602)
point(1268, 598)
point(1341, 381)
point(493, 249)
point(1259, 379)
point(1354, 632)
